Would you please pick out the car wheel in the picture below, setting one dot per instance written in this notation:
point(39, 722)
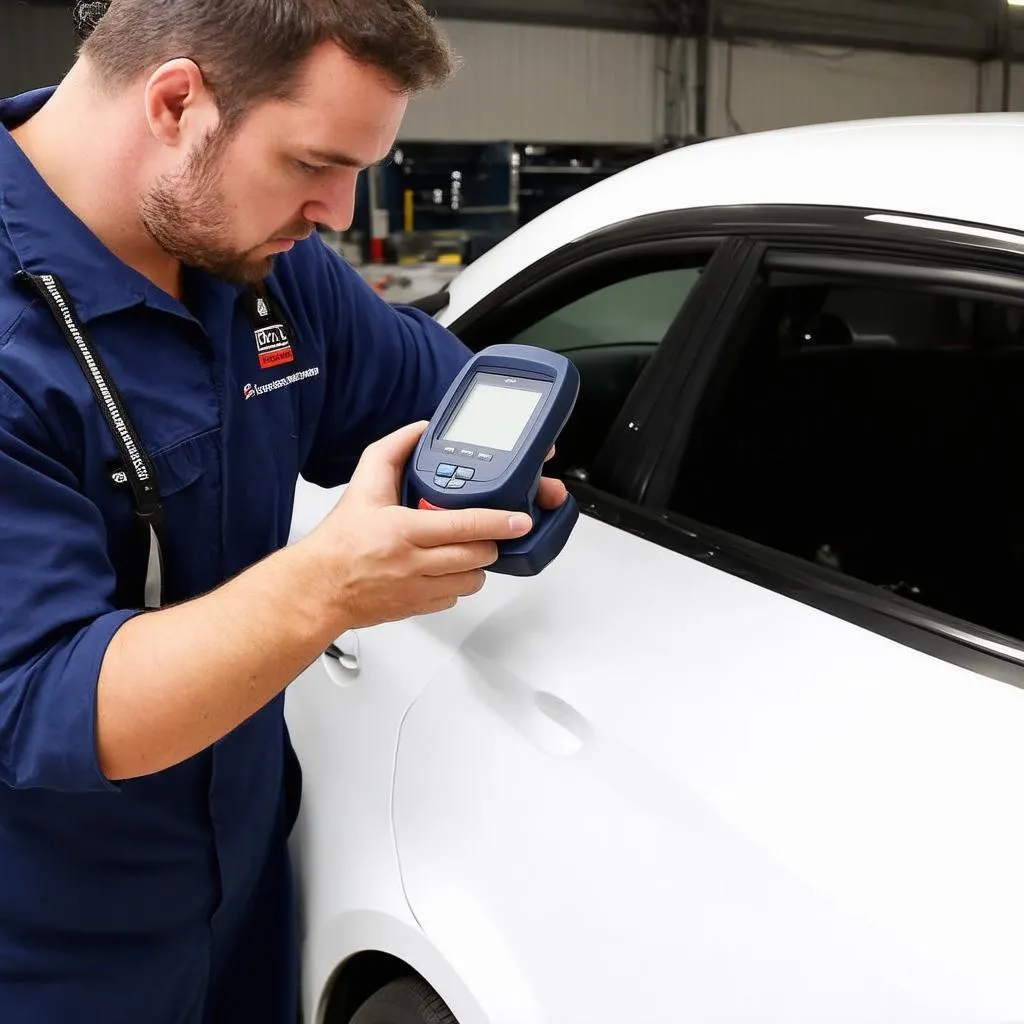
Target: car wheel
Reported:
point(405, 1001)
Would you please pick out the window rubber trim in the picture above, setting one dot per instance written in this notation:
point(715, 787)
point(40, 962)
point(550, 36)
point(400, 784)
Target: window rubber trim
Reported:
point(623, 464)
point(673, 419)
point(967, 281)
point(432, 304)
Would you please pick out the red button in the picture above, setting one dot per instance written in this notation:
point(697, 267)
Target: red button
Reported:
point(427, 507)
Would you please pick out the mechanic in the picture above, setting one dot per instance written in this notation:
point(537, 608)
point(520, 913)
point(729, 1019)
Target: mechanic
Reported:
point(169, 315)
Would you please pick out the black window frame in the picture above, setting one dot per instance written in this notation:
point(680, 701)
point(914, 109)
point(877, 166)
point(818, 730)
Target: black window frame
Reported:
point(801, 238)
point(541, 289)
point(638, 508)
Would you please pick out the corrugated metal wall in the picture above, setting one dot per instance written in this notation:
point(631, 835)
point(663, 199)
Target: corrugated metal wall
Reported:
point(992, 87)
point(570, 84)
point(563, 84)
point(767, 86)
point(37, 46)
point(546, 84)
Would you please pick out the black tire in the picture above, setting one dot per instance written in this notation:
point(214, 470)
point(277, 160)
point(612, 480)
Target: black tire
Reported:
point(405, 1001)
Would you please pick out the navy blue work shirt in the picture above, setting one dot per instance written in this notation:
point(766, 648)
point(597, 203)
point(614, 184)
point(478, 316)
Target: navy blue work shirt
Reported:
point(164, 899)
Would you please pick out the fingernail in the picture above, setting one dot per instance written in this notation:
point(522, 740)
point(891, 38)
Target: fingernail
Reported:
point(519, 523)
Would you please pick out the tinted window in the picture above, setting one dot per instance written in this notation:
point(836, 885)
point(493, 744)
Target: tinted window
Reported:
point(638, 310)
point(609, 321)
point(876, 432)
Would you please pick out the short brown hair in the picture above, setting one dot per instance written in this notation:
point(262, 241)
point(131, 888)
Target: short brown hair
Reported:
point(251, 50)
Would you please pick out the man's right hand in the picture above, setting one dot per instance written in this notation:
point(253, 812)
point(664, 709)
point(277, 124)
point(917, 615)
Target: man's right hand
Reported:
point(382, 562)
point(179, 679)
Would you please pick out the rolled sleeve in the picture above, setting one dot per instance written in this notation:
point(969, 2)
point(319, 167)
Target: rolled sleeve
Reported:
point(56, 612)
point(387, 366)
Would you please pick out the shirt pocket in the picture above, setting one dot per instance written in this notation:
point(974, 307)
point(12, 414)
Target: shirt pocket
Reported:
point(189, 478)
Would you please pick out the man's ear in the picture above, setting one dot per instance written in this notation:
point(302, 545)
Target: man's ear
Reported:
point(179, 106)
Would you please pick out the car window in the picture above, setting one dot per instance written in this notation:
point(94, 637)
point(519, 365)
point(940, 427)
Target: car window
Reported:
point(873, 431)
point(637, 310)
point(609, 319)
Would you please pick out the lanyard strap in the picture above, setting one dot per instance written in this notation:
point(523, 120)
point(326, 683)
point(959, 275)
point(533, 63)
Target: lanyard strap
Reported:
point(138, 466)
point(274, 340)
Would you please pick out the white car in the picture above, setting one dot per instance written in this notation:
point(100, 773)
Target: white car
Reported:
point(751, 749)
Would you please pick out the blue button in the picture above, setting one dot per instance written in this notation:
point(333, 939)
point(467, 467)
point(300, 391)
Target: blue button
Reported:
point(444, 470)
point(441, 482)
point(455, 485)
point(465, 474)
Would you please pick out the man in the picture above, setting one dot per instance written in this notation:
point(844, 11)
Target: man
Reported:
point(147, 784)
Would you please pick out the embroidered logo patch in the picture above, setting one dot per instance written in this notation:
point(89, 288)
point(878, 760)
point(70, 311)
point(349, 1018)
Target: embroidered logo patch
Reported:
point(273, 346)
point(117, 476)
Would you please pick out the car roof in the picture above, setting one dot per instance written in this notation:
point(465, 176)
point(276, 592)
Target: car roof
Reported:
point(949, 167)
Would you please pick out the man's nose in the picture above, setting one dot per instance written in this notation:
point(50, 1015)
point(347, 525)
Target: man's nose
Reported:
point(335, 206)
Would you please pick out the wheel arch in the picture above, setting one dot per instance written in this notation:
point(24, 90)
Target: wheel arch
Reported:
point(357, 978)
point(356, 954)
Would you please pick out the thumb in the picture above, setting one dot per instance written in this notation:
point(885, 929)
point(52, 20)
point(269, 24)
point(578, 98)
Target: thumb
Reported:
point(378, 476)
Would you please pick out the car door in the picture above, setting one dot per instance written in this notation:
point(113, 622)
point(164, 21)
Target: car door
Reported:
point(345, 711)
point(662, 782)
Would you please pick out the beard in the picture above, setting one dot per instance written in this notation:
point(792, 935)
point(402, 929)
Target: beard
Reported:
point(186, 214)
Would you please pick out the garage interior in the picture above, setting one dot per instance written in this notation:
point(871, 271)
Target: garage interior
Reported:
point(825, 805)
point(554, 95)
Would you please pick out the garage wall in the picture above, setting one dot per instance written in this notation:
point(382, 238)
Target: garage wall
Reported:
point(769, 86)
point(992, 87)
point(546, 84)
point(37, 46)
point(568, 84)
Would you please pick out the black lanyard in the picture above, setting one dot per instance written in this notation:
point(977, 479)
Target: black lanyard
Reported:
point(266, 316)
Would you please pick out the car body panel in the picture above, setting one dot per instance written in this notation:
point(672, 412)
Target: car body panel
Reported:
point(754, 811)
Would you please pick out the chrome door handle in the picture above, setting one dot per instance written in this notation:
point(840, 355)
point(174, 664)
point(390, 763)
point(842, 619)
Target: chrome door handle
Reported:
point(345, 651)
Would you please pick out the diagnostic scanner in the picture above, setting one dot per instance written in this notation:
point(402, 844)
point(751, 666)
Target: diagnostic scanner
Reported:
point(485, 448)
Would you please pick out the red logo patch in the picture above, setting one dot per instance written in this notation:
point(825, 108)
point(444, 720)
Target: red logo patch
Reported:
point(268, 360)
point(273, 347)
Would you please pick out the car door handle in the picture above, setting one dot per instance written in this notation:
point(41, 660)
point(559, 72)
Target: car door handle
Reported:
point(345, 652)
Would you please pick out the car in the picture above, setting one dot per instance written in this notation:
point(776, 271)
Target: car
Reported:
point(751, 749)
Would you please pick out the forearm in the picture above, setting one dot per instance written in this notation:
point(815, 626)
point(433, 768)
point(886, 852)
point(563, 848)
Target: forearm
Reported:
point(175, 681)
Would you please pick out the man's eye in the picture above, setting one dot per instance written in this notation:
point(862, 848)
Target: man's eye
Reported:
point(307, 168)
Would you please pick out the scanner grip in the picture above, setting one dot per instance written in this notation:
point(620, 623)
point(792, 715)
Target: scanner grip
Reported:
point(529, 555)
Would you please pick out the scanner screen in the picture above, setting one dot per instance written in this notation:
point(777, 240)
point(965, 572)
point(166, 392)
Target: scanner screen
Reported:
point(493, 416)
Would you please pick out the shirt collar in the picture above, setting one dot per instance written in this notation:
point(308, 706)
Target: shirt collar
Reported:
point(48, 238)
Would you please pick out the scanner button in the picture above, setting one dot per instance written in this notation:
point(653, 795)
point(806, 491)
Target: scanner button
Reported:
point(441, 482)
point(444, 470)
point(485, 456)
point(467, 453)
point(455, 485)
point(465, 474)
point(425, 506)
point(449, 451)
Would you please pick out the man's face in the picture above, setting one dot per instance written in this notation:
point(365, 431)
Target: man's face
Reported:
point(238, 199)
